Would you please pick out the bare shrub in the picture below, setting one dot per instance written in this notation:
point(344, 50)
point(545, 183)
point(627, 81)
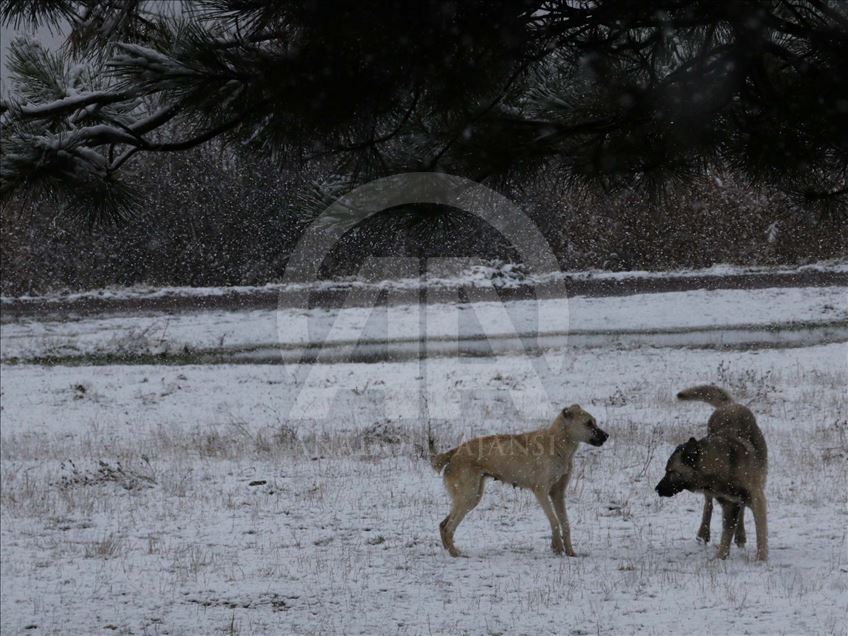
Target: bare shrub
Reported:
point(108, 547)
point(126, 478)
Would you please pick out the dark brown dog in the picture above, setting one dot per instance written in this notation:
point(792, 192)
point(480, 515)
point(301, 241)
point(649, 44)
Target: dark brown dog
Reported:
point(730, 464)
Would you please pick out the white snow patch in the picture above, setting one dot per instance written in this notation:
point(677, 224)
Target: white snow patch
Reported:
point(204, 330)
point(497, 274)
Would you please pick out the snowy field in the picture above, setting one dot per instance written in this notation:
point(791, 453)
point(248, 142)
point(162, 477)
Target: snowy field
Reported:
point(227, 332)
point(261, 498)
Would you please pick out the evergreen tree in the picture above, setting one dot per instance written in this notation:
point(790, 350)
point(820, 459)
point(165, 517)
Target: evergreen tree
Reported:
point(605, 93)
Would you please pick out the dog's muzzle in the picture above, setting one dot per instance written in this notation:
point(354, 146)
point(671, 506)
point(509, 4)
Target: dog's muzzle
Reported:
point(667, 488)
point(599, 438)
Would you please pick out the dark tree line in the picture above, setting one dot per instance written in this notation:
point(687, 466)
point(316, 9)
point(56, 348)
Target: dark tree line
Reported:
point(600, 93)
point(234, 221)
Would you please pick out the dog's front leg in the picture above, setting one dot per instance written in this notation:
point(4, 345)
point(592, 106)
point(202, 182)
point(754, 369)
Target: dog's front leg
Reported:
point(557, 494)
point(740, 529)
point(706, 518)
point(545, 501)
point(729, 517)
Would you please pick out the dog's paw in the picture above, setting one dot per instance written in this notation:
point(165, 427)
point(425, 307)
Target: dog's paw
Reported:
point(703, 536)
point(557, 547)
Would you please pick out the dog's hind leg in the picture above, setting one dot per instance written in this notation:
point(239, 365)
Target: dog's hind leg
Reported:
point(729, 519)
point(557, 494)
point(466, 489)
point(544, 498)
point(758, 506)
point(706, 517)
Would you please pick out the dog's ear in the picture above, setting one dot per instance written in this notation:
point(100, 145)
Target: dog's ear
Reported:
point(691, 451)
point(571, 411)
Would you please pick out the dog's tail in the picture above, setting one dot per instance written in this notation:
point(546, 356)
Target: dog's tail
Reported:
point(708, 393)
point(437, 460)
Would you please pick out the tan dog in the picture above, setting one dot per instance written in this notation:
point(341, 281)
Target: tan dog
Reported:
point(730, 464)
point(539, 461)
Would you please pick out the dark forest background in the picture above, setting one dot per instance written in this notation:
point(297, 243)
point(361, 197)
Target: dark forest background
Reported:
point(206, 220)
point(192, 146)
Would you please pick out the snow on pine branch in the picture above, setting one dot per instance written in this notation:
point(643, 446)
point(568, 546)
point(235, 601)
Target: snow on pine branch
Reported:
point(68, 104)
point(146, 64)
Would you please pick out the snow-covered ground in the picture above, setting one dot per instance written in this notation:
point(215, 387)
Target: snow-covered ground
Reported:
point(132, 334)
point(494, 273)
point(283, 499)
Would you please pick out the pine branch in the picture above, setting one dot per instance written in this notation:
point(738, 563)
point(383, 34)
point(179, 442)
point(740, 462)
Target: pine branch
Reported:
point(607, 92)
point(36, 13)
point(68, 105)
